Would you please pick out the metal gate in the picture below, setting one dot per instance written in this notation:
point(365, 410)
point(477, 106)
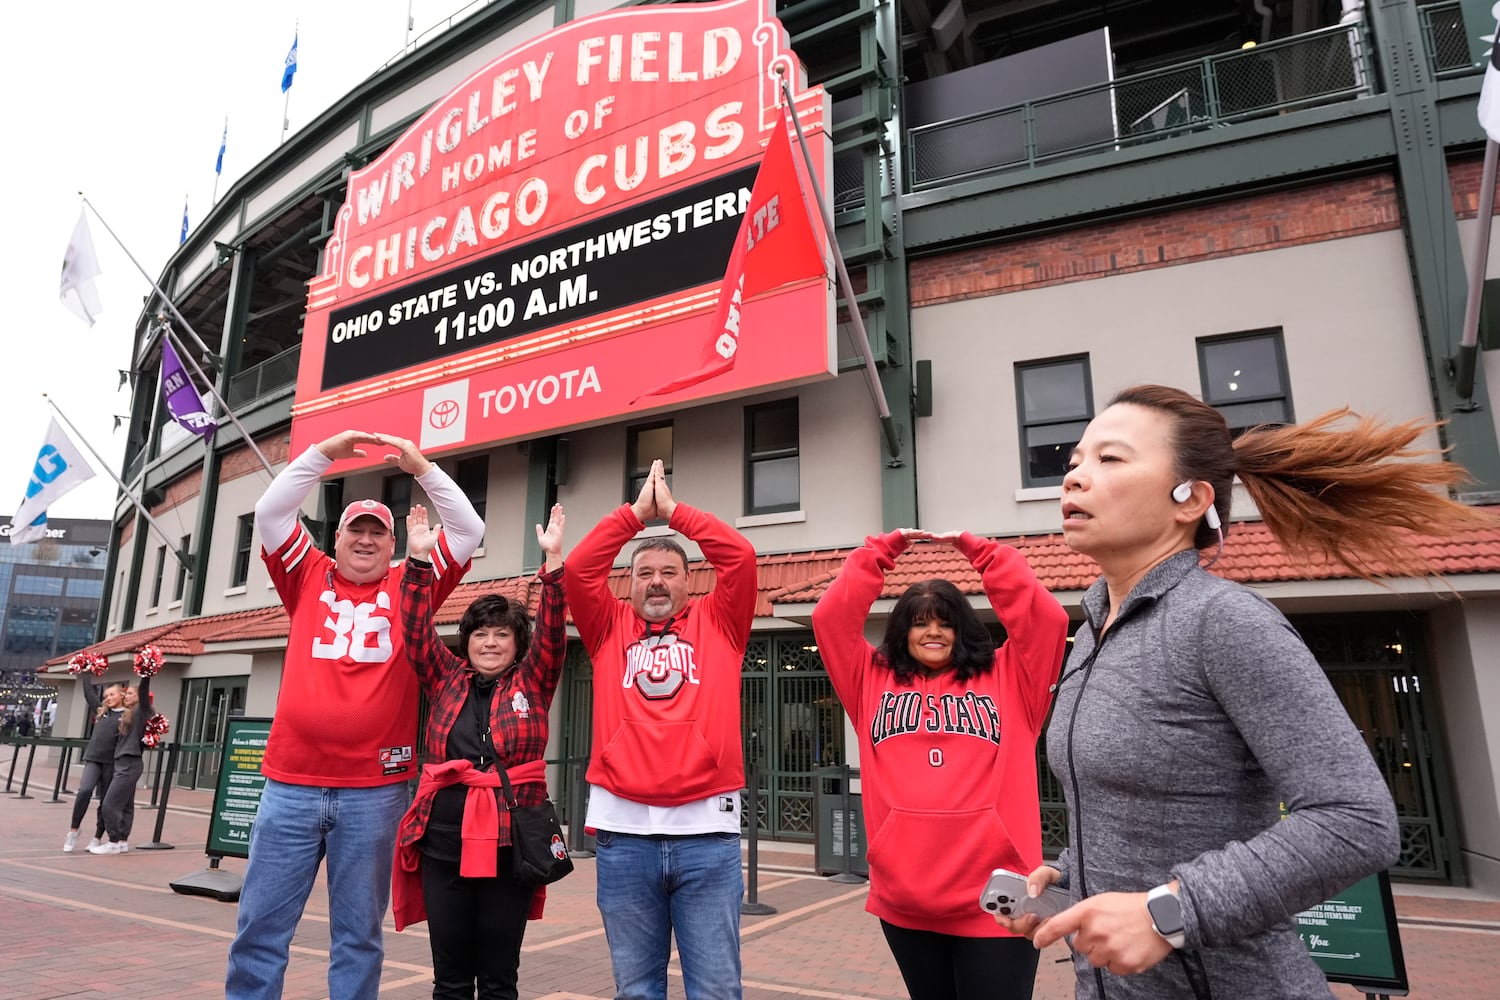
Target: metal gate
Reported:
point(792, 724)
point(1377, 667)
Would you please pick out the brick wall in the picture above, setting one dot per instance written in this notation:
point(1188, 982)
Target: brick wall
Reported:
point(1463, 181)
point(1311, 214)
point(242, 461)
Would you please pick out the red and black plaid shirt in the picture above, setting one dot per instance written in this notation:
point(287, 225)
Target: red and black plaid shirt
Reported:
point(518, 714)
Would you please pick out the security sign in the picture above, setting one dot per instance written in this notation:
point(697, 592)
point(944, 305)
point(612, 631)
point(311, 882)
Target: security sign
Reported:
point(548, 242)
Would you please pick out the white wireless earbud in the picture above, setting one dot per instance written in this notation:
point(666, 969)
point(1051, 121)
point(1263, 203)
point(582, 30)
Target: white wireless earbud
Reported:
point(1182, 491)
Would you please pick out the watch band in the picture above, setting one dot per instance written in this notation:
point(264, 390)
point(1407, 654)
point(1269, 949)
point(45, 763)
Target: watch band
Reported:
point(1174, 936)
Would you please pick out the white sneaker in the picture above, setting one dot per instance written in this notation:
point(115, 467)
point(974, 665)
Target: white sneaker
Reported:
point(105, 849)
point(122, 847)
point(70, 842)
point(93, 843)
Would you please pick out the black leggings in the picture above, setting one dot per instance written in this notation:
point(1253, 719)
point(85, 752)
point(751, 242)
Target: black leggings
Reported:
point(947, 967)
point(95, 776)
point(119, 802)
point(475, 926)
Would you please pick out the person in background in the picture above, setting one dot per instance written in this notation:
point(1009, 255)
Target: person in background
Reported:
point(668, 766)
point(343, 741)
point(947, 727)
point(118, 804)
point(106, 703)
point(1191, 710)
point(489, 710)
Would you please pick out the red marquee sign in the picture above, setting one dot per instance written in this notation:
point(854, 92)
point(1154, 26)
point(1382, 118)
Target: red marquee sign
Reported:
point(546, 243)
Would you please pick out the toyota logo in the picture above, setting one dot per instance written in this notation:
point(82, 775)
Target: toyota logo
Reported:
point(443, 414)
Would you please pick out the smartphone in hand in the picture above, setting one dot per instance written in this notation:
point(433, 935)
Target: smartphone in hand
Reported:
point(1005, 893)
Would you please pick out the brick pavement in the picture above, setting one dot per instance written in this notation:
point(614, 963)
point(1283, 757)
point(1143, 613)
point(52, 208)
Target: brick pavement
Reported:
point(61, 914)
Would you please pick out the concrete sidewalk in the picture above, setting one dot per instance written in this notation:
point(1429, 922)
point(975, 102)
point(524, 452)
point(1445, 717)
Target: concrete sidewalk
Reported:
point(84, 926)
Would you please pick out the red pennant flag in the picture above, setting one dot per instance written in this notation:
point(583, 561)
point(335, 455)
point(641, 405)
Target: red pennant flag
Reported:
point(775, 246)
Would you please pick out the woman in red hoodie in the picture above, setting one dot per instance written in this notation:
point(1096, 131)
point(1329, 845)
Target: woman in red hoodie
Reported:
point(947, 727)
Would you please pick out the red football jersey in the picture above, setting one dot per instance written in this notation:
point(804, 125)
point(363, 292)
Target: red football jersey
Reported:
point(346, 716)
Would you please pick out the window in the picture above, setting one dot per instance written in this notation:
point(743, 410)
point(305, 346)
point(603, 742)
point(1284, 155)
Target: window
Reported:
point(161, 570)
point(473, 477)
point(182, 568)
point(395, 493)
point(1244, 378)
point(643, 445)
point(1056, 401)
point(44, 586)
point(85, 587)
point(773, 475)
point(244, 537)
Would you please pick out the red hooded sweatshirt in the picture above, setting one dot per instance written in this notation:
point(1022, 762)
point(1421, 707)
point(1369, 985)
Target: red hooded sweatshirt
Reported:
point(947, 767)
point(666, 695)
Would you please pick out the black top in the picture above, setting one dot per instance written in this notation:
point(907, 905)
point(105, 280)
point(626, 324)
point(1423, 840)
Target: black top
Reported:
point(101, 748)
point(471, 740)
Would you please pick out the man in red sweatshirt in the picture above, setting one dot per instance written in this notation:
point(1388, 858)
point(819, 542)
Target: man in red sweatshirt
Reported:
point(667, 763)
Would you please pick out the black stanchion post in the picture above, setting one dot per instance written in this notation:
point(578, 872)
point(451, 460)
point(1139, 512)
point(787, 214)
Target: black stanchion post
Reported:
point(62, 769)
point(752, 906)
point(161, 810)
point(14, 756)
point(161, 759)
point(847, 825)
point(577, 807)
point(26, 777)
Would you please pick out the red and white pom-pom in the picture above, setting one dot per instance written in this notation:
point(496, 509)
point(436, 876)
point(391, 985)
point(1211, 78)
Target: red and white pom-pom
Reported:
point(156, 731)
point(147, 661)
point(94, 663)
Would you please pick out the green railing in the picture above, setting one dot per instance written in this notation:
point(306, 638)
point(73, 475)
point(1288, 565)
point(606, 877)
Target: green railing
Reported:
point(1316, 68)
point(1446, 39)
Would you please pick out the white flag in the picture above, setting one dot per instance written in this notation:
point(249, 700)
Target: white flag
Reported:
point(1489, 94)
point(59, 468)
point(80, 268)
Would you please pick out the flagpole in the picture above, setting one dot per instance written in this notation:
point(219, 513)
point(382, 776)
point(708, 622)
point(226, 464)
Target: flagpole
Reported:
point(286, 110)
point(171, 545)
point(187, 355)
point(1468, 343)
point(846, 287)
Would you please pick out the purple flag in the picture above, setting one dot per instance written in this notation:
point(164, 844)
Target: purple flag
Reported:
point(183, 401)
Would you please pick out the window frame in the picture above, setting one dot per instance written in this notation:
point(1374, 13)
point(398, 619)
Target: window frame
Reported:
point(1023, 427)
point(391, 489)
point(160, 576)
point(458, 479)
point(632, 443)
point(1283, 375)
point(179, 586)
point(751, 457)
point(244, 546)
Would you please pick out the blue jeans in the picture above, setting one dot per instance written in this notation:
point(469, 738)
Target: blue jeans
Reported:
point(650, 887)
point(296, 826)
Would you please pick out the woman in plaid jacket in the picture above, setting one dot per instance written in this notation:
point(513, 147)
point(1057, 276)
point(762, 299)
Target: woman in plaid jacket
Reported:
point(489, 709)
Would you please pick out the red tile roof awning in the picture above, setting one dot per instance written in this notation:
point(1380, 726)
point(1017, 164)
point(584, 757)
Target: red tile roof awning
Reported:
point(1251, 555)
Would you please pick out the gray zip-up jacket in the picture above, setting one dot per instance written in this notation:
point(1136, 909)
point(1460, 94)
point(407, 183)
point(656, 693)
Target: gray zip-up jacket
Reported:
point(1176, 740)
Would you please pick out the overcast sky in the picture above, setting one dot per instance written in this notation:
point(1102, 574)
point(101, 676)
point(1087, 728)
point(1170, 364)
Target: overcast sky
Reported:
point(126, 102)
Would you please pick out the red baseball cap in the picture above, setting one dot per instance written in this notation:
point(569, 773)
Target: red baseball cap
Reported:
point(368, 508)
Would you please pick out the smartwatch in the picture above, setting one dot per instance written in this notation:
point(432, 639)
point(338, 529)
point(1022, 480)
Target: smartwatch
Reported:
point(1165, 910)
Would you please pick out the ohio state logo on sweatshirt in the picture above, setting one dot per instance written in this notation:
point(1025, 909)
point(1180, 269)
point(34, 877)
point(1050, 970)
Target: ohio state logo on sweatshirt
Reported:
point(967, 714)
point(659, 665)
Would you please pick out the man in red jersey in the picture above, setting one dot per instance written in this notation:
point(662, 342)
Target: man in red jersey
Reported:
point(343, 741)
point(667, 766)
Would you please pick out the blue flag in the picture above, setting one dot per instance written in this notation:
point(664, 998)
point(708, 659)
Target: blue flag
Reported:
point(183, 238)
point(291, 66)
point(223, 144)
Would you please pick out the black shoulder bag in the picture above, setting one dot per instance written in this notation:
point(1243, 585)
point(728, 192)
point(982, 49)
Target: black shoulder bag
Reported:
point(538, 851)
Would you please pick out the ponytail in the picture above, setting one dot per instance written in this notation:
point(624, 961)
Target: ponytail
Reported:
point(1346, 495)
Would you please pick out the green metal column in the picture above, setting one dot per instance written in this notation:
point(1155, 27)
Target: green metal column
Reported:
point(541, 494)
point(236, 321)
point(1437, 260)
